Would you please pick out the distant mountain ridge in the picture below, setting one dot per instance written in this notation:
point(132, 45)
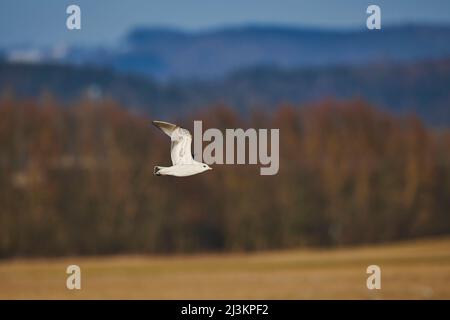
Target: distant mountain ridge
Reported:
point(415, 87)
point(168, 54)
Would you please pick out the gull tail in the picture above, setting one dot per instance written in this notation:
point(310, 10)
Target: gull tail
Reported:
point(156, 170)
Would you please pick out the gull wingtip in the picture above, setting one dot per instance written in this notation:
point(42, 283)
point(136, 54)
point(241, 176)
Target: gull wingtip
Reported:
point(156, 123)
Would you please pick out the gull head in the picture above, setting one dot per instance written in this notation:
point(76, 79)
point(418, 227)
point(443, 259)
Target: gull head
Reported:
point(205, 167)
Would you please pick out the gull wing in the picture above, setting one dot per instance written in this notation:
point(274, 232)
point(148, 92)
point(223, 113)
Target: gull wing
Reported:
point(180, 150)
point(167, 128)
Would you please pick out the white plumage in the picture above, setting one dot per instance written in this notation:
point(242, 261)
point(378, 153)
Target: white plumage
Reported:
point(180, 152)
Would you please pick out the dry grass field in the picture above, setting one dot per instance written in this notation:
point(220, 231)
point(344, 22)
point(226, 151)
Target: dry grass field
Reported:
point(410, 270)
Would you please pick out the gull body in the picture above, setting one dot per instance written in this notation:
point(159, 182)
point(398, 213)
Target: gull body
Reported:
point(183, 164)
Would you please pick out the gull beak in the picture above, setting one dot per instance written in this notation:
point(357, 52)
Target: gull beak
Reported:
point(209, 168)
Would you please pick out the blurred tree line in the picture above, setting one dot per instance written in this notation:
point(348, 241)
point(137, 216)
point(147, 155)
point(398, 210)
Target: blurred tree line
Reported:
point(79, 180)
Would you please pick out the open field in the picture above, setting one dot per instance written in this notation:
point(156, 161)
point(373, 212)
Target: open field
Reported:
point(410, 270)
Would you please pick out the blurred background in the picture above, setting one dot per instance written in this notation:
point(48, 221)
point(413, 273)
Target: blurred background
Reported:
point(364, 120)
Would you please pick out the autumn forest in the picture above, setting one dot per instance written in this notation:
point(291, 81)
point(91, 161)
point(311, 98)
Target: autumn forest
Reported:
point(79, 180)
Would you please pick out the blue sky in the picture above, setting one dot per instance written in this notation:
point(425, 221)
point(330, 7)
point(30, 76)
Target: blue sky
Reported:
point(106, 21)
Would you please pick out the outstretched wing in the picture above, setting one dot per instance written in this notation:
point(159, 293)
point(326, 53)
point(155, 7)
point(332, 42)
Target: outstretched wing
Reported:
point(167, 128)
point(180, 150)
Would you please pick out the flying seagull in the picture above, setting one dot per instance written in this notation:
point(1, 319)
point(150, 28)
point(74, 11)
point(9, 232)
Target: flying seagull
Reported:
point(183, 164)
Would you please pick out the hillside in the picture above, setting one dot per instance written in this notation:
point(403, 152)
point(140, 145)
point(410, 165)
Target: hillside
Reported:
point(169, 54)
point(420, 87)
